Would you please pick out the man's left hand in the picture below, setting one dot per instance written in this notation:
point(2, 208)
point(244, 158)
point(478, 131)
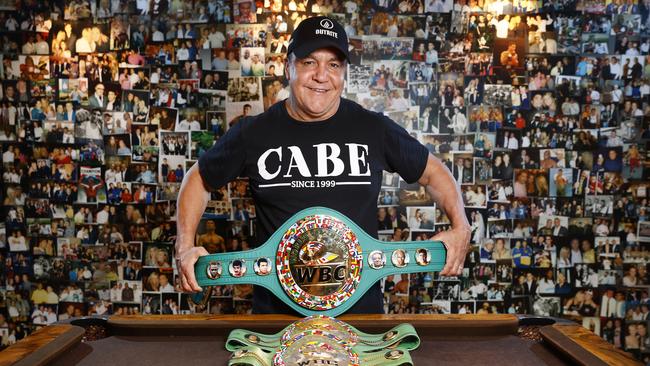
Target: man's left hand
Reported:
point(457, 242)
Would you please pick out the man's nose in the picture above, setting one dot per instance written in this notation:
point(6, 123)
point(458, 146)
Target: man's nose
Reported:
point(321, 72)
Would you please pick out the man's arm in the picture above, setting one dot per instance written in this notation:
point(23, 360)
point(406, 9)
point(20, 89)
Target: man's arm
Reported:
point(442, 187)
point(192, 201)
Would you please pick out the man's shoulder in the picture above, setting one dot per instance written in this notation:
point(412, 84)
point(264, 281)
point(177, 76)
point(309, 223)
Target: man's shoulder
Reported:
point(350, 107)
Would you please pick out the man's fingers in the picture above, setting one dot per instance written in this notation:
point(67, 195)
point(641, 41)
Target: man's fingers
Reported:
point(186, 269)
point(191, 280)
point(455, 260)
point(184, 286)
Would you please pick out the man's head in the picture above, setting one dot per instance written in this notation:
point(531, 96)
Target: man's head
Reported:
point(237, 268)
point(612, 154)
point(163, 279)
point(399, 258)
point(377, 259)
point(263, 266)
point(99, 89)
point(422, 257)
point(316, 68)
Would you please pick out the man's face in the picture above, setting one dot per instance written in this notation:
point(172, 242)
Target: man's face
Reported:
point(557, 222)
point(264, 267)
point(421, 257)
point(236, 271)
point(245, 9)
point(399, 258)
point(377, 260)
point(612, 154)
point(523, 177)
point(316, 81)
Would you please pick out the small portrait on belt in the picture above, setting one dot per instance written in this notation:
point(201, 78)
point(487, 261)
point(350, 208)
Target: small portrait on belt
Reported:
point(237, 268)
point(376, 259)
point(422, 256)
point(262, 266)
point(400, 258)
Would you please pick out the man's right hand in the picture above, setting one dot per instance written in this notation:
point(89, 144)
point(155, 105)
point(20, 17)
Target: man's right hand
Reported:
point(185, 260)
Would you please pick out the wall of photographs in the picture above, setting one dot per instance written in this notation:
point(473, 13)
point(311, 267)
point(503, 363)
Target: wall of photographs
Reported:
point(539, 108)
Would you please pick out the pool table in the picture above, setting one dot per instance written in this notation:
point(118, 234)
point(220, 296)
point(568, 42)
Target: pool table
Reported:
point(199, 340)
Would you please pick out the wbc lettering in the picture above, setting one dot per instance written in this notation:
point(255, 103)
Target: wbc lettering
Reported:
point(322, 274)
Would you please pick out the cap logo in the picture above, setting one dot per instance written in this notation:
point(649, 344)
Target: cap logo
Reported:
point(326, 23)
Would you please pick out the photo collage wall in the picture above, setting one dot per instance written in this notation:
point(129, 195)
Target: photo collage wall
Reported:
point(540, 109)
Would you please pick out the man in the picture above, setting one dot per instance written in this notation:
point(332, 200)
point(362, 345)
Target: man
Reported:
point(399, 258)
point(613, 162)
point(422, 258)
point(237, 268)
point(257, 67)
point(210, 239)
point(220, 62)
point(376, 259)
point(263, 267)
point(127, 293)
point(509, 57)
point(97, 100)
point(530, 286)
point(558, 229)
point(459, 169)
point(432, 54)
point(246, 63)
point(313, 135)
point(246, 109)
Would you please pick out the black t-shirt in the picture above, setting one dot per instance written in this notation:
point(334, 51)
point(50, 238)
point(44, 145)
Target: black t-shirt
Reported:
point(293, 165)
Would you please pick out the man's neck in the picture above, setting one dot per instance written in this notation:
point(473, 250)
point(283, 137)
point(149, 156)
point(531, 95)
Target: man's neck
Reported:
point(296, 113)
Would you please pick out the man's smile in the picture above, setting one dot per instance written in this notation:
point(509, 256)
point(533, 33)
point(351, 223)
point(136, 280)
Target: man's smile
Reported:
point(318, 90)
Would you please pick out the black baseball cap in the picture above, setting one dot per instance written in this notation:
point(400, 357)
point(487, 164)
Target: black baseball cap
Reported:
point(318, 32)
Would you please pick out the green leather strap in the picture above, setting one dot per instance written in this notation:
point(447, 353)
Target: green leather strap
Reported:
point(403, 337)
point(251, 356)
point(319, 248)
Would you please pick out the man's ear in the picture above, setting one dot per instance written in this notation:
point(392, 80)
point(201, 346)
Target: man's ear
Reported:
point(286, 69)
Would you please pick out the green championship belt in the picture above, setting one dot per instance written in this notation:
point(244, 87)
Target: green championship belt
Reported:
point(321, 340)
point(315, 263)
point(403, 336)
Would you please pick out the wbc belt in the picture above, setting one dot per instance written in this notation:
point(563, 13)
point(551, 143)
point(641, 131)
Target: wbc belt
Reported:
point(322, 340)
point(403, 336)
point(318, 262)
